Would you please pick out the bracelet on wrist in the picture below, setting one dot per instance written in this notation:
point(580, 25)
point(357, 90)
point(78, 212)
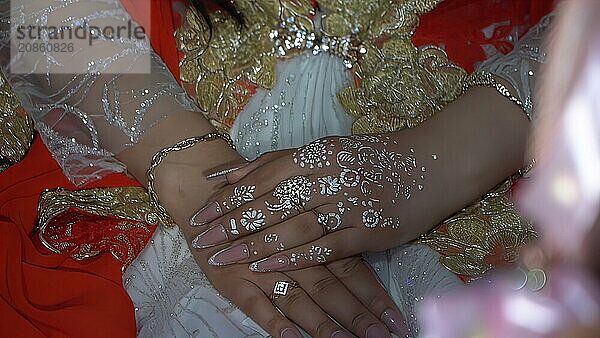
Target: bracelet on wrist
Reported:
point(157, 159)
point(485, 79)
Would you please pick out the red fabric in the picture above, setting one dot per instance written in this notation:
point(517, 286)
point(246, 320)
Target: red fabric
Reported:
point(45, 294)
point(80, 232)
point(457, 26)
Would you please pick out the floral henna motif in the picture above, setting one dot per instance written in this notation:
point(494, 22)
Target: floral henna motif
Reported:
point(252, 219)
point(313, 155)
point(292, 193)
point(329, 185)
point(242, 194)
point(330, 221)
point(368, 173)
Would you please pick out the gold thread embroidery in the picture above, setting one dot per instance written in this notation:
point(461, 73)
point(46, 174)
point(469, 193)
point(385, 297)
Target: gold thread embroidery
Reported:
point(401, 87)
point(468, 239)
point(226, 65)
point(131, 204)
point(16, 128)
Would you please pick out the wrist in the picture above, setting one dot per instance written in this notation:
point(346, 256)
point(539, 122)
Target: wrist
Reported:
point(181, 178)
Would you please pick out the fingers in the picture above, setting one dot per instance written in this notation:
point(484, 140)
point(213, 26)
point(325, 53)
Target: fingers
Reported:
point(341, 244)
point(265, 212)
point(258, 306)
point(258, 183)
point(299, 307)
point(288, 234)
point(237, 175)
point(291, 233)
point(362, 282)
point(327, 291)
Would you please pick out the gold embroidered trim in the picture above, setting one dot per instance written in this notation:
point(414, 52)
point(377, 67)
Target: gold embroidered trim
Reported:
point(16, 128)
point(492, 225)
point(401, 87)
point(227, 66)
point(132, 204)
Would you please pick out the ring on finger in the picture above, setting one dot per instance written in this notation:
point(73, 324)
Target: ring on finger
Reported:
point(282, 289)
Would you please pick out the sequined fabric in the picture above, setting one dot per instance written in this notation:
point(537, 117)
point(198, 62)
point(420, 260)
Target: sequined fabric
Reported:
point(485, 235)
point(95, 100)
point(16, 128)
point(85, 223)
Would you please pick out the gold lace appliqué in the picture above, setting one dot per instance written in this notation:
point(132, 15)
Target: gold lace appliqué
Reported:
point(129, 204)
point(16, 128)
point(224, 67)
point(470, 239)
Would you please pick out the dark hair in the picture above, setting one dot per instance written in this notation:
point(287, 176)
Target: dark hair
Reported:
point(227, 5)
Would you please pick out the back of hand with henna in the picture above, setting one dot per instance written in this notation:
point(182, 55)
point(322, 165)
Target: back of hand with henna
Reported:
point(341, 188)
point(341, 196)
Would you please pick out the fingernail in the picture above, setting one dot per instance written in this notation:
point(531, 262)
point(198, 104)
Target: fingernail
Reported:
point(207, 214)
point(377, 331)
point(270, 264)
point(394, 321)
point(230, 255)
point(290, 333)
point(340, 334)
point(210, 238)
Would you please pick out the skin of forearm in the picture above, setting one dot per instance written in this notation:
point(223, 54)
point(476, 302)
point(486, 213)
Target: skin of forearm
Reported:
point(478, 140)
point(181, 182)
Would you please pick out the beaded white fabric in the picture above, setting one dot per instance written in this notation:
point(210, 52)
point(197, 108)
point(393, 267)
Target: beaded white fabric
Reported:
point(90, 100)
point(520, 66)
point(301, 108)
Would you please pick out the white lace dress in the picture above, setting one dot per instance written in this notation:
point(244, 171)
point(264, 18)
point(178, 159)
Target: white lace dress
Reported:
point(84, 119)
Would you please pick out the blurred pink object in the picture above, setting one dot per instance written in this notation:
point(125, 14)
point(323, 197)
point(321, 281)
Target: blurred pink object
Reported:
point(563, 195)
point(562, 198)
point(495, 309)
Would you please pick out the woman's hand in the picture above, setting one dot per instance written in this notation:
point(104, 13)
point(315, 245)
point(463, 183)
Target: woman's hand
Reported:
point(345, 291)
point(331, 199)
point(341, 196)
point(342, 299)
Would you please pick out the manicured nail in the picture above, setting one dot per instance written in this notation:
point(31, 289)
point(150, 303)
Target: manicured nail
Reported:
point(207, 214)
point(394, 321)
point(340, 334)
point(270, 264)
point(290, 333)
point(230, 255)
point(210, 238)
point(377, 331)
